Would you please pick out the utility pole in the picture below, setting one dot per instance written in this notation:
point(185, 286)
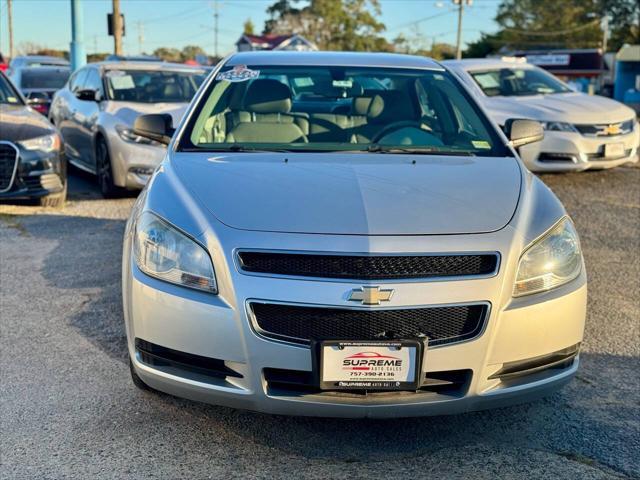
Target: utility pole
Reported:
point(216, 15)
point(10, 21)
point(140, 26)
point(460, 4)
point(117, 28)
point(77, 53)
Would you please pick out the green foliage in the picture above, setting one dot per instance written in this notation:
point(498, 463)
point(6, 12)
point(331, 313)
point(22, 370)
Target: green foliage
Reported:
point(545, 24)
point(248, 27)
point(174, 55)
point(331, 24)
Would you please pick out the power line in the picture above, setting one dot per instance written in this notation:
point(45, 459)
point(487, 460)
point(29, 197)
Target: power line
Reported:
point(556, 32)
point(415, 22)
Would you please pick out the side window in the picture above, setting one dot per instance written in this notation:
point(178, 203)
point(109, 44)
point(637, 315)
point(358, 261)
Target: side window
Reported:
point(77, 80)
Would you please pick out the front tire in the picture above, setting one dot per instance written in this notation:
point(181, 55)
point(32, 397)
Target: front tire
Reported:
point(105, 172)
point(137, 381)
point(54, 200)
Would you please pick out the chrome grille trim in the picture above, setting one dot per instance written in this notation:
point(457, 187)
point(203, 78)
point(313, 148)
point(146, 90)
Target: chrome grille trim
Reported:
point(15, 165)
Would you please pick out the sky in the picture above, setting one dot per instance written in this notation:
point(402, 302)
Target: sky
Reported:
point(176, 23)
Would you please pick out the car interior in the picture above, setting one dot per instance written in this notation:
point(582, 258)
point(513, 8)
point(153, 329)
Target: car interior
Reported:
point(281, 109)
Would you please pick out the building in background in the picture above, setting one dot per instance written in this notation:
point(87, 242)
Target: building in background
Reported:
point(626, 86)
point(582, 69)
point(274, 42)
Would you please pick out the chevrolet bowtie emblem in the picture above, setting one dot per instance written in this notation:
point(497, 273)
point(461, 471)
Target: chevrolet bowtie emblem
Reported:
point(370, 295)
point(613, 129)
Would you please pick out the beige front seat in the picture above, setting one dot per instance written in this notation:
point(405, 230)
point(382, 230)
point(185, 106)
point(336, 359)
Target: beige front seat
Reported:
point(266, 117)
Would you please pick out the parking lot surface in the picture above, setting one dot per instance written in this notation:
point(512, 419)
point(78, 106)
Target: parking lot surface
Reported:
point(69, 409)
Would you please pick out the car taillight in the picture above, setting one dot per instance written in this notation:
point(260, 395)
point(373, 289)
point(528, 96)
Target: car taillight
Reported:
point(43, 108)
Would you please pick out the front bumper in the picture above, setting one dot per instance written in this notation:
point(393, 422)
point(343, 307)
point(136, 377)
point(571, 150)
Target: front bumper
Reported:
point(133, 163)
point(37, 174)
point(219, 327)
point(568, 151)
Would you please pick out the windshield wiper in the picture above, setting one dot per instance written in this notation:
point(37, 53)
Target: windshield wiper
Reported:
point(377, 148)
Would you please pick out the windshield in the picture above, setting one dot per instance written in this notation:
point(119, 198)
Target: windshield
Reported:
point(52, 79)
point(7, 95)
point(152, 86)
point(339, 109)
point(518, 81)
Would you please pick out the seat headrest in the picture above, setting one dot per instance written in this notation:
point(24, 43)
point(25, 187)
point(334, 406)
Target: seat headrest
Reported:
point(360, 105)
point(267, 96)
point(391, 106)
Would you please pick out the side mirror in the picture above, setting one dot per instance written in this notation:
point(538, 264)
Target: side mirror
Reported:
point(523, 132)
point(87, 94)
point(155, 126)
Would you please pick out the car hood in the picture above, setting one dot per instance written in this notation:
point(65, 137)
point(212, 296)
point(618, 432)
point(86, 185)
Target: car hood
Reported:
point(127, 112)
point(571, 107)
point(353, 193)
point(18, 122)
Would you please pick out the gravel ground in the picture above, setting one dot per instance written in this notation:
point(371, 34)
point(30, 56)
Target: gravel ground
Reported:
point(69, 410)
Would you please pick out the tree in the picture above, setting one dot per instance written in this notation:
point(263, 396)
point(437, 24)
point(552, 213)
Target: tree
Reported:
point(530, 24)
point(248, 27)
point(331, 24)
point(168, 54)
point(190, 51)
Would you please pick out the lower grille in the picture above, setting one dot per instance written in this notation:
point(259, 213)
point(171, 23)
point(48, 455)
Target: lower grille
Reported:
point(301, 324)
point(162, 358)
point(8, 165)
point(368, 267)
point(298, 382)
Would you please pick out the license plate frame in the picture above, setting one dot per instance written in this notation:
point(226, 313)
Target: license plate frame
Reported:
point(413, 347)
point(613, 150)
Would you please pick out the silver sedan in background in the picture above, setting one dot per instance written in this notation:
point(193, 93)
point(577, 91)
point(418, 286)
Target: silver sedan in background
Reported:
point(96, 109)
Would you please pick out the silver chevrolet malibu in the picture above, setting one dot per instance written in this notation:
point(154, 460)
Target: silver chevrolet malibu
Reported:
point(348, 235)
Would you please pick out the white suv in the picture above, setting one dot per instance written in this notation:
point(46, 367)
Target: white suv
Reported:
point(581, 131)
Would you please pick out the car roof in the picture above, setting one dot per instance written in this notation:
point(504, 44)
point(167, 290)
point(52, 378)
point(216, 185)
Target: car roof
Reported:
point(487, 63)
point(144, 65)
point(338, 59)
point(43, 58)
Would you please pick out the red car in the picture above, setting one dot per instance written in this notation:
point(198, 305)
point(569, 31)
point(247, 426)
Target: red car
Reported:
point(3, 65)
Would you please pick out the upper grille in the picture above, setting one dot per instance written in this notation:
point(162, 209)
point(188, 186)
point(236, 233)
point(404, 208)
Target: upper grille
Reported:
point(368, 267)
point(8, 160)
point(601, 129)
point(301, 324)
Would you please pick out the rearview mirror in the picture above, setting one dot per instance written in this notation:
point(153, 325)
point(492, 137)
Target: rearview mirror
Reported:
point(523, 132)
point(155, 126)
point(87, 94)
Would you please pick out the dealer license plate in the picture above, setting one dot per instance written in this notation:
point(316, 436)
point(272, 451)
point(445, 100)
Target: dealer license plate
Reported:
point(614, 150)
point(350, 365)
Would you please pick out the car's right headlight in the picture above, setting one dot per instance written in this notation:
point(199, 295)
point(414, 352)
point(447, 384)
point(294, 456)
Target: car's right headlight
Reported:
point(164, 252)
point(551, 261)
point(558, 127)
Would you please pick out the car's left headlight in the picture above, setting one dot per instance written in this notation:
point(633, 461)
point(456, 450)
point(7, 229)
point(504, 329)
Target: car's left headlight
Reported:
point(128, 135)
point(551, 261)
point(164, 252)
point(558, 127)
point(45, 143)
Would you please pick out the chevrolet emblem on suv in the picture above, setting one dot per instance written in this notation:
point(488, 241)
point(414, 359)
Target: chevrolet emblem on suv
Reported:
point(370, 295)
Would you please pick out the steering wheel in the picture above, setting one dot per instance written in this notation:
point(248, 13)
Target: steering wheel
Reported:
point(399, 126)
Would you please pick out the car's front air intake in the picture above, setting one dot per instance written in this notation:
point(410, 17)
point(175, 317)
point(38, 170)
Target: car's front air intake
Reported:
point(301, 324)
point(368, 267)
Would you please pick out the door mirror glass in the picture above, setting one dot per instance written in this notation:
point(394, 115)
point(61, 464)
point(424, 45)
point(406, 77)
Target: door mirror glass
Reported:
point(87, 94)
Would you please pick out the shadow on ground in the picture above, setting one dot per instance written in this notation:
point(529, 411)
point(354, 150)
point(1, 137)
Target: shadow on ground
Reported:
point(591, 421)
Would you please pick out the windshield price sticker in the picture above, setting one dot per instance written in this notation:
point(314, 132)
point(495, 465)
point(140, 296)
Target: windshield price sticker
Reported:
point(239, 73)
point(369, 365)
